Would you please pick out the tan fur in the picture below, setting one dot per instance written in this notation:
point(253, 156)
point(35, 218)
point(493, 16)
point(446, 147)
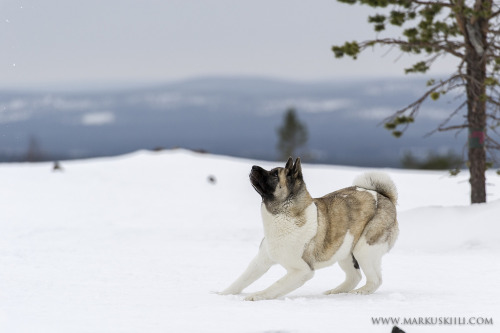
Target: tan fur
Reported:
point(293, 208)
point(383, 228)
point(281, 191)
point(346, 210)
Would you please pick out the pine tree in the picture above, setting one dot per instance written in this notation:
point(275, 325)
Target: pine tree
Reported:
point(34, 152)
point(291, 135)
point(465, 29)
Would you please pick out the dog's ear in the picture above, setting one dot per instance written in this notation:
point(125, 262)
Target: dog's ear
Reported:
point(297, 169)
point(289, 164)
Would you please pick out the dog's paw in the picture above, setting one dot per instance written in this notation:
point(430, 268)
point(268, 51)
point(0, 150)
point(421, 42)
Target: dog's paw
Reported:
point(336, 291)
point(367, 289)
point(362, 291)
point(256, 297)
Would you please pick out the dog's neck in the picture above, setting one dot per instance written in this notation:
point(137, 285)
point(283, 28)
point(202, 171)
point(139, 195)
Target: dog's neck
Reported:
point(294, 205)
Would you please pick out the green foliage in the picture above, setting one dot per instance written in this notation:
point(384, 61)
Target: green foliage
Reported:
point(403, 120)
point(377, 18)
point(435, 95)
point(397, 18)
point(379, 21)
point(400, 120)
point(419, 67)
point(291, 135)
point(491, 81)
point(433, 161)
point(497, 64)
point(390, 126)
point(430, 11)
point(350, 49)
point(376, 3)
point(397, 134)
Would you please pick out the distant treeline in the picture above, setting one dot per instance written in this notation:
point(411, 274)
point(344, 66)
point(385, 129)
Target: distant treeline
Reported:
point(433, 161)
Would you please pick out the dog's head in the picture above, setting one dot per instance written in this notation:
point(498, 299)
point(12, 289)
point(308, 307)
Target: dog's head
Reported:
point(278, 184)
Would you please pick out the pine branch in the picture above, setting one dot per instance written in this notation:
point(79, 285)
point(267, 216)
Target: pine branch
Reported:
point(441, 127)
point(432, 3)
point(454, 127)
point(492, 101)
point(450, 47)
point(495, 14)
point(392, 121)
point(493, 144)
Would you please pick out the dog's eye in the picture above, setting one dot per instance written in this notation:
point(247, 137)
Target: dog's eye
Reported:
point(275, 174)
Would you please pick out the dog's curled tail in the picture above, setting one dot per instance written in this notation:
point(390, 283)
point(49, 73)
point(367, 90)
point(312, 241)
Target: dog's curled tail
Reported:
point(379, 182)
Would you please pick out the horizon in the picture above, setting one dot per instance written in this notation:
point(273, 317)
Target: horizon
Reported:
point(94, 42)
point(90, 86)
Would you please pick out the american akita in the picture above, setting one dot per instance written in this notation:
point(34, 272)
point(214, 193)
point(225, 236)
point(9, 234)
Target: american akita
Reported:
point(355, 226)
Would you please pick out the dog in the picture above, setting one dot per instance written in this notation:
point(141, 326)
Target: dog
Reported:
point(354, 226)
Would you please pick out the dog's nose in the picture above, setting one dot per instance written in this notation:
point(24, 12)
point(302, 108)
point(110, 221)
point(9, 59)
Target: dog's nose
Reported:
point(255, 168)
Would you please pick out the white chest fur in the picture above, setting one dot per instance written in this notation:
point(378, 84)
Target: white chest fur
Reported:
point(286, 237)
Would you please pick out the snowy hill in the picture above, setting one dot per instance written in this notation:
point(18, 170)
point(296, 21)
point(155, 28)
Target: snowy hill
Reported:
point(140, 243)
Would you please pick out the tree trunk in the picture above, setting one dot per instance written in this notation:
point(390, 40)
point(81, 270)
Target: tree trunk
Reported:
point(476, 105)
point(476, 115)
point(477, 168)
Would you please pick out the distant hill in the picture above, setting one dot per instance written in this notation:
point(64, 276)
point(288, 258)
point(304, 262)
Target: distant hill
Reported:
point(233, 116)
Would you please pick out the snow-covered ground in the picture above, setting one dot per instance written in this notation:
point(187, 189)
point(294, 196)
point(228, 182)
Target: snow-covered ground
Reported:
point(141, 243)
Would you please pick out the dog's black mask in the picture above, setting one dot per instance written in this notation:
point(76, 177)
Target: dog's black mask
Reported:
point(287, 178)
point(263, 181)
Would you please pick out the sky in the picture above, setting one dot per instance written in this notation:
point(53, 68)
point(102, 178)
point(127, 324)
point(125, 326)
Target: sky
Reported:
point(78, 42)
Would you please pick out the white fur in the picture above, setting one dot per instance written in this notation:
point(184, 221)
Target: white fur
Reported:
point(284, 239)
point(257, 267)
point(377, 181)
point(352, 277)
point(284, 243)
point(369, 258)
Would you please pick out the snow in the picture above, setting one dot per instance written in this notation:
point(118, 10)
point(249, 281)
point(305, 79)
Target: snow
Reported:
point(141, 243)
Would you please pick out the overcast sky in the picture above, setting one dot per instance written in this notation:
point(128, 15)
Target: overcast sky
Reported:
point(58, 42)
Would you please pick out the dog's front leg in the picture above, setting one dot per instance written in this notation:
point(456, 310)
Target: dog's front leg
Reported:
point(257, 267)
point(294, 278)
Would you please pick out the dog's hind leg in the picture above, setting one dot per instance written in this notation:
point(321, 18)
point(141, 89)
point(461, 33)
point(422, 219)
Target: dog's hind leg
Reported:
point(352, 276)
point(369, 258)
